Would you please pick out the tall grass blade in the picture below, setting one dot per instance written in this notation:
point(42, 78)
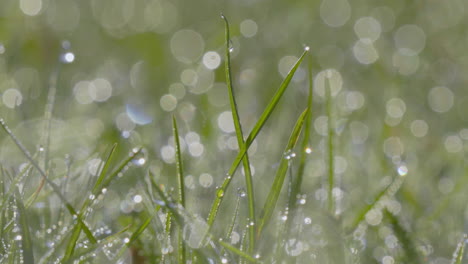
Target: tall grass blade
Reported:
point(460, 250)
point(22, 221)
point(253, 134)
point(275, 190)
point(404, 237)
point(55, 188)
point(331, 157)
point(240, 138)
point(180, 181)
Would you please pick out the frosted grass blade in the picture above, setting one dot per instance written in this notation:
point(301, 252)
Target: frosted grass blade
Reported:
point(460, 250)
point(240, 137)
point(253, 134)
point(275, 189)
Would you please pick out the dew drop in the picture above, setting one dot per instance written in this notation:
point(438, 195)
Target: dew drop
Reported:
point(308, 150)
point(241, 192)
point(67, 57)
point(220, 193)
point(306, 48)
point(18, 237)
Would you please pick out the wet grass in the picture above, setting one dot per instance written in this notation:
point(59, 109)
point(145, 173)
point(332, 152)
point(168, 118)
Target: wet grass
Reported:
point(289, 228)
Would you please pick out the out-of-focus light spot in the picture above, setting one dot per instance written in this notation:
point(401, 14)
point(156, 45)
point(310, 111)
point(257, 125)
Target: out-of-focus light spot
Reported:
point(211, 60)
point(410, 39)
point(335, 13)
point(388, 260)
point(367, 29)
point(385, 16)
point(2, 48)
point(177, 90)
point(365, 52)
point(443, 14)
point(12, 98)
point(168, 102)
point(355, 100)
point(340, 164)
point(100, 90)
point(138, 115)
point(419, 128)
point(202, 81)
point(68, 57)
point(94, 165)
point(124, 122)
point(189, 77)
point(393, 147)
point(321, 125)
point(187, 45)
point(308, 150)
point(189, 182)
point(94, 127)
point(405, 64)
point(205, 180)
point(293, 247)
point(137, 198)
point(196, 149)
point(396, 108)
point(187, 111)
point(402, 170)
point(334, 79)
point(160, 16)
point(248, 28)
point(232, 143)
point(217, 96)
point(453, 144)
point(168, 153)
point(440, 99)
point(464, 133)
point(331, 57)
point(31, 7)
point(225, 122)
point(192, 137)
point(374, 217)
point(359, 132)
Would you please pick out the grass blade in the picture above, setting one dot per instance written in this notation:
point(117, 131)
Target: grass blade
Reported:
point(275, 190)
point(240, 138)
point(404, 237)
point(253, 134)
point(55, 188)
point(331, 158)
point(459, 251)
point(26, 240)
point(180, 181)
point(239, 252)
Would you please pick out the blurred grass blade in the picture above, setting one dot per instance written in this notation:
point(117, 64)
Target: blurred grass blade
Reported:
point(331, 157)
point(54, 186)
point(253, 134)
point(389, 190)
point(404, 237)
point(180, 181)
point(459, 251)
point(240, 138)
point(239, 252)
point(275, 190)
point(233, 223)
point(26, 240)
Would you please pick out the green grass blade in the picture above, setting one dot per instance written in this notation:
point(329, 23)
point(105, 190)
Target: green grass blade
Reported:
point(96, 188)
point(180, 181)
point(459, 251)
point(26, 240)
point(55, 188)
point(253, 134)
point(240, 138)
point(331, 157)
point(404, 237)
point(239, 252)
point(275, 190)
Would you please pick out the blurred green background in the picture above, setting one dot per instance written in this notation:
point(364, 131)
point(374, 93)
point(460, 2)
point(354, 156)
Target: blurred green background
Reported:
point(397, 71)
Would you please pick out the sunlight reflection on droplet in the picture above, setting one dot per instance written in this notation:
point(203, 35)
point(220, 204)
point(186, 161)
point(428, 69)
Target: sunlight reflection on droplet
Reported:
point(68, 57)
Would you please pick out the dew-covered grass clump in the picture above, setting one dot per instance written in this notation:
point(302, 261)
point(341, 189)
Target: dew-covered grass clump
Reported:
point(157, 132)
